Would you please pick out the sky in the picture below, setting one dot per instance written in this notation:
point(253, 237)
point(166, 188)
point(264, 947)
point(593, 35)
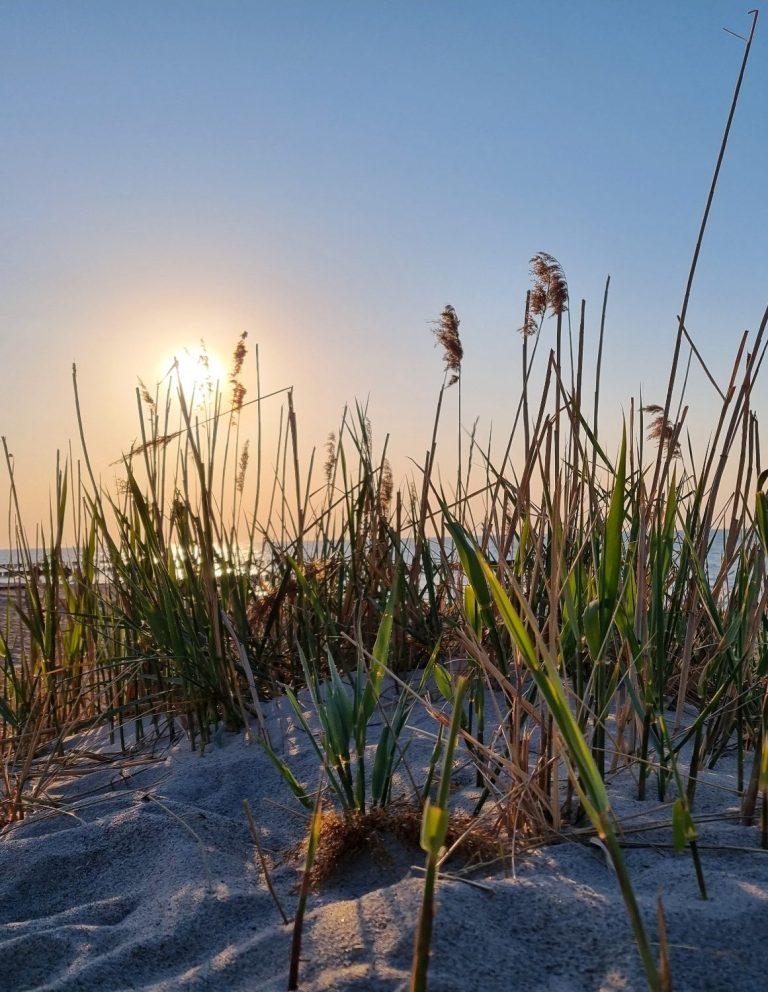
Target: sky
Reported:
point(327, 176)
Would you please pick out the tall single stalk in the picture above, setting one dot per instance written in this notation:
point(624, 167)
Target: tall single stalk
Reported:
point(697, 251)
point(434, 829)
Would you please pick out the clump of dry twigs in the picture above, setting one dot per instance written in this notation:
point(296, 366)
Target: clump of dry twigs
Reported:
point(348, 834)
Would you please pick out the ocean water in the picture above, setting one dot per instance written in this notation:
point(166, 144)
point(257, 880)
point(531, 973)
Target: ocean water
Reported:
point(12, 571)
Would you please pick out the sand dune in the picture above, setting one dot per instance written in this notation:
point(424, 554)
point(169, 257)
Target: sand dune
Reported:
point(112, 892)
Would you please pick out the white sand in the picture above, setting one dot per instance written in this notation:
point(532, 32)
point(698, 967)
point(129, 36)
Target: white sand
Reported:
point(115, 897)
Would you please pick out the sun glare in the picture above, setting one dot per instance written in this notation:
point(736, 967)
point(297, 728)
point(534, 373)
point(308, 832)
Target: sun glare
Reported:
point(196, 370)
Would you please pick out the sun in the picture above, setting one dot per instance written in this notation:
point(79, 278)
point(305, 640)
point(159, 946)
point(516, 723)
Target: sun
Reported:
point(196, 370)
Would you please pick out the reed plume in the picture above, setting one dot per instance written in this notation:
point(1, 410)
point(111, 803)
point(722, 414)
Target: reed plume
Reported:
point(242, 467)
point(530, 326)
point(156, 442)
point(330, 457)
point(550, 290)
point(661, 430)
point(238, 358)
point(446, 330)
point(238, 395)
point(386, 487)
point(204, 361)
point(146, 395)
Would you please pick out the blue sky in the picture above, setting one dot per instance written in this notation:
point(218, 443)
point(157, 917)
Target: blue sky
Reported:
point(328, 175)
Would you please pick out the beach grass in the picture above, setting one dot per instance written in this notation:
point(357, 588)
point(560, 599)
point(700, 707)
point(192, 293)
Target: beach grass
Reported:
point(575, 597)
point(559, 598)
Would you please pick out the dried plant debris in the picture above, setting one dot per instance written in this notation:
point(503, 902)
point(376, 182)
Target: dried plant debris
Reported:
point(347, 834)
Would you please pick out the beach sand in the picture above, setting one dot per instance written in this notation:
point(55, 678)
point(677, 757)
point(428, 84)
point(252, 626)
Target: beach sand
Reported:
point(110, 892)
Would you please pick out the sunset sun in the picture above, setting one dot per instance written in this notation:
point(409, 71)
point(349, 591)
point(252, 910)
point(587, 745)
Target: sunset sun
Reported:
point(195, 369)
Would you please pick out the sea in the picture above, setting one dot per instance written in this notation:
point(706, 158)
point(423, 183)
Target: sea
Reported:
point(12, 570)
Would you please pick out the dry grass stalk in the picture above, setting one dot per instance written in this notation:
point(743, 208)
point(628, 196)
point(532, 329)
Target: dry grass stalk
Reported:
point(263, 860)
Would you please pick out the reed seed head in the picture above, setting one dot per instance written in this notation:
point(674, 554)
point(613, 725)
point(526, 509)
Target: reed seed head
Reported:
point(386, 487)
point(156, 442)
point(203, 359)
point(660, 430)
point(330, 457)
point(446, 330)
point(239, 356)
point(530, 326)
point(146, 395)
point(550, 289)
point(242, 467)
point(238, 395)
point(238, 389)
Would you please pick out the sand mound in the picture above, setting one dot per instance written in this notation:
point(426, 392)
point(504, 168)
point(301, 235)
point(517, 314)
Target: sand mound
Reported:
point(149, 880)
